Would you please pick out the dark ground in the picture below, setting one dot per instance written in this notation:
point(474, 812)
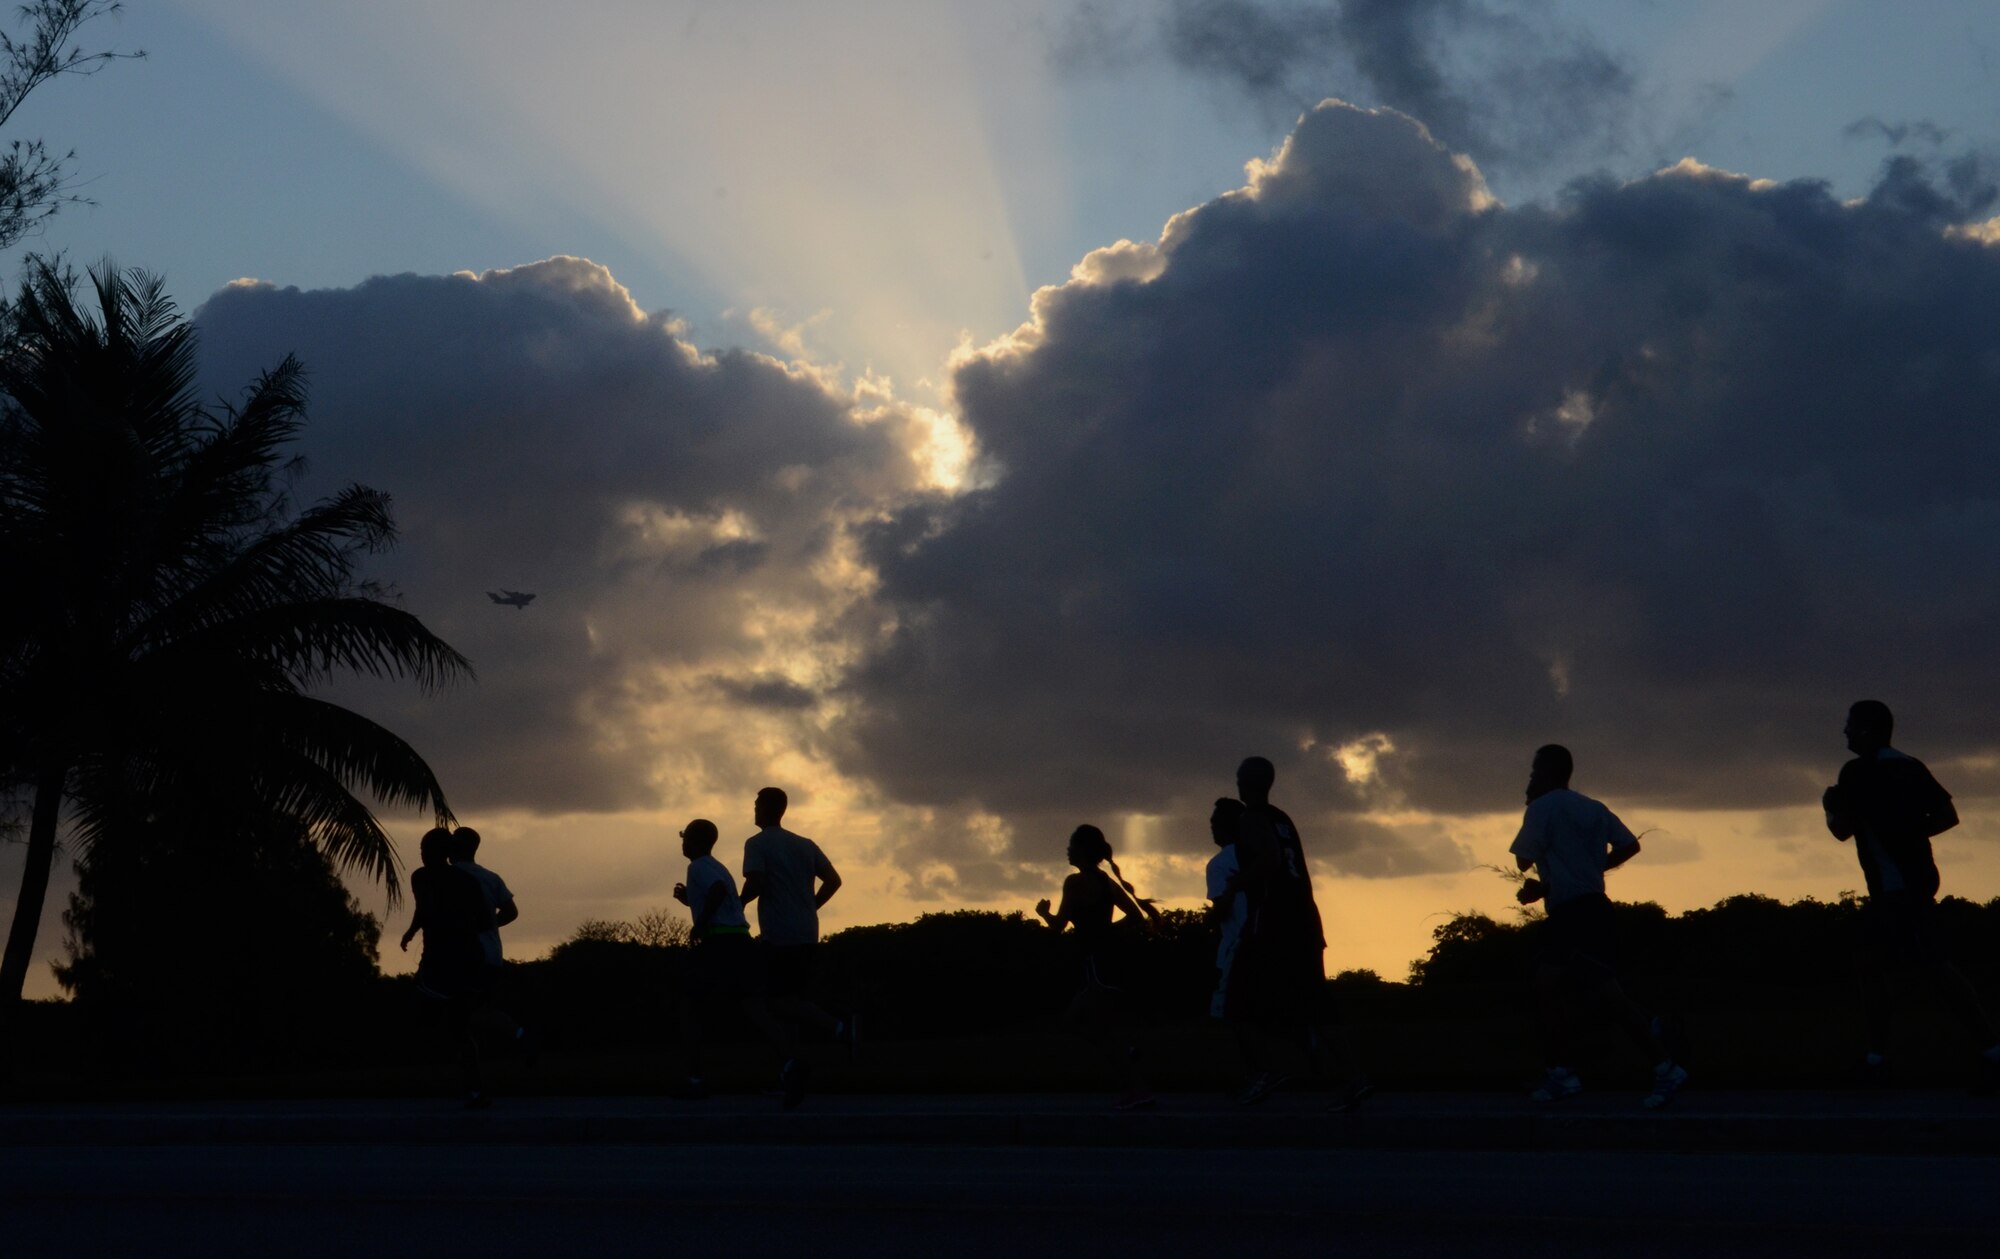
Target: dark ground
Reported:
point(1480, 1173)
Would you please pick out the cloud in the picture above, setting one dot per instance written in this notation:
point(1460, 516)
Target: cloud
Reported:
point(684, 518)
point(1352, 467)
point(1355, 458)
point(1507, 84)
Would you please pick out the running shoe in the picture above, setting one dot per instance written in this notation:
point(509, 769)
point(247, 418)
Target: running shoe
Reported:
point(1668, 1079)
point(792, 1082)
point(1560, 1082)
point(1134, 1099)
point(1262, 1087)
point(1349, 1099)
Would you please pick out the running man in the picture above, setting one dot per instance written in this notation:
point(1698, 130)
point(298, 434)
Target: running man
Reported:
point(1277, 986)
point(724, 965)
point(1570, 840)
point(790, 880)
point(1891, 807)
point(451, 912)
point(501, 910)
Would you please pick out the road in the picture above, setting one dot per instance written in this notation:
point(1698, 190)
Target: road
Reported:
point(737, 1199)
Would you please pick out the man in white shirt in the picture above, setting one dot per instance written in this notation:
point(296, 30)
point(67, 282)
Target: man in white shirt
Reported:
point(788, 878)
point(723, 968)
point(1570, 840)
point(463, 848)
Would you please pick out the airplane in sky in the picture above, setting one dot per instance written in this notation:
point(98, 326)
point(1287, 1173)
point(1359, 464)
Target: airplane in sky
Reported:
point(511, 598)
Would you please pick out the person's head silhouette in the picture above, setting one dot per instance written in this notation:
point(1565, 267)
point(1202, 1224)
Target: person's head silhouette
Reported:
point(1870, 726)
point(698, 838)
point(1088, 847)
point(464, 844)
point(769, 809)
point(1223, 821)
point(1551, 770)
point(1254, 778)
point(434, 849)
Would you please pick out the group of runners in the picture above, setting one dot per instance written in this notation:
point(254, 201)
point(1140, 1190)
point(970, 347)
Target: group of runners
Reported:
point(1270, 959)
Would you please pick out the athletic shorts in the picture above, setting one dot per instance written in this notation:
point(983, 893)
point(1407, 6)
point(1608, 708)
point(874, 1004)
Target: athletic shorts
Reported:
point(725, 966)
point(1278, 979)
point(788, 969)
point(455, 975)
point(1580, 936)
point(1901, 929)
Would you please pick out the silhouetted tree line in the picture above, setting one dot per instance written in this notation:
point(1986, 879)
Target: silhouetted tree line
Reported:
point(165, 984)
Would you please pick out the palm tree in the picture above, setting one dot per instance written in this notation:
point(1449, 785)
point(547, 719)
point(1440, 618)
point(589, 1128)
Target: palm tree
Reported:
point(164, 609)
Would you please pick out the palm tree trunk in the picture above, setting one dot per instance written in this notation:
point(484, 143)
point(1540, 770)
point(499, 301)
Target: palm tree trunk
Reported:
point(34, 890)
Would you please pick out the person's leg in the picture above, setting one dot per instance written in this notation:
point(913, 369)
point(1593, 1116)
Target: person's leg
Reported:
point(1874, 958)
point(782, 1036)
point(459, 1014)
point(1553, 1007)
point(691, 1038)
point(791, 974)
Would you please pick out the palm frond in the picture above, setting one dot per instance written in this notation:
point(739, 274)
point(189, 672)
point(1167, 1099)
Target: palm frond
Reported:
point(342, 827)
point(355, 750)
point(311, 640)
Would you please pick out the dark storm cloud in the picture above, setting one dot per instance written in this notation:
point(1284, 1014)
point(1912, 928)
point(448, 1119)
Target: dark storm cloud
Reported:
point(1508, 84)
point(1361, 471)
point(539, 433)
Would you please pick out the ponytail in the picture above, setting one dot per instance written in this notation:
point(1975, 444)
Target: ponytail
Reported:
point(1093, 842)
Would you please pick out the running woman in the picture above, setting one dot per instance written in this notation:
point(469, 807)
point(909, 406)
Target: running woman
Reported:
point(1088, 898)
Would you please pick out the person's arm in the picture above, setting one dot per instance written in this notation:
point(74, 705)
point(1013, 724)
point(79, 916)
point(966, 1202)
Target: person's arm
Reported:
point(1127, 905)
point(1061, 917)
point(1937, 811)
point(1219, 893)
point(416, 915)
point(829, 878)
point(1838, 822)
point(1620, 843)
point(1838, 801)
point(753, 872)
point(506, 913)
point(1527, 850)
point(709, 905)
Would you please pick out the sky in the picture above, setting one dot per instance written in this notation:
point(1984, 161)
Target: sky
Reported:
point(980, 419)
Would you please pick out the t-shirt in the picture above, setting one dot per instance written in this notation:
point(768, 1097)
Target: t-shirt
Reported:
point(705, 872)
point(496, 895)
point(1277, 881)
point(786, 908)
point(1895, 807)
point(452, 908)
point(1567, 836)
point(1222, 868)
